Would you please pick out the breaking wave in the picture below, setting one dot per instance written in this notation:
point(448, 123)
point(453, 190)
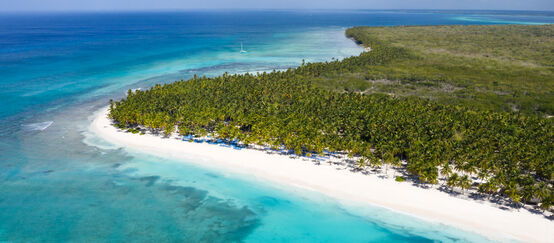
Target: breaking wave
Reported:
point(39, 126)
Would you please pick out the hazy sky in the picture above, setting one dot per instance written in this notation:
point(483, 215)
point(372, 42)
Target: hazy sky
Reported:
point(98, 5)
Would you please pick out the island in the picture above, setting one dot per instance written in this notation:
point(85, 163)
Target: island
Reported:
point(449, 123)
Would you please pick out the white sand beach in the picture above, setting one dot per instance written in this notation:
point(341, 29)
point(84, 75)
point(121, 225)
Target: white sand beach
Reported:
point(339, 182)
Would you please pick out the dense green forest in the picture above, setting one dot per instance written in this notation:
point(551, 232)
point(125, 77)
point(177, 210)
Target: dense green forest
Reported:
point(465, 141)
point(500, 68)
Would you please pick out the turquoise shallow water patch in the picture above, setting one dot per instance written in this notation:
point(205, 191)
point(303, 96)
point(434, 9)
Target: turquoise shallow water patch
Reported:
point(290, 214)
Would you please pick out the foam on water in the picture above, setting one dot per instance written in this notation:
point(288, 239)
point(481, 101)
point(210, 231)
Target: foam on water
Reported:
point(39, 126)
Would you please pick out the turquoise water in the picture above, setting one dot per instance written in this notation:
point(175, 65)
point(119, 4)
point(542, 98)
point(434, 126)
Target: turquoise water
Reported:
point(60, 183)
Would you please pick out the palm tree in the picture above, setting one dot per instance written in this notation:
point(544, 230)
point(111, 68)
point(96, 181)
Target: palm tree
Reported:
point(361, 164)
point(453, 181)
point(464, 182)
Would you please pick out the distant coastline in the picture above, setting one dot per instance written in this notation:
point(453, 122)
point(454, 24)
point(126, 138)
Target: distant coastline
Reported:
point(338, 181)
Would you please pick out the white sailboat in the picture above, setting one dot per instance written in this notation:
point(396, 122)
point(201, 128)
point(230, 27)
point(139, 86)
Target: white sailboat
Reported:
point(241, 49)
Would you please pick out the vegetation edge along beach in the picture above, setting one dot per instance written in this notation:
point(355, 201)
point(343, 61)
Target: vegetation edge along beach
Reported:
point(494, 150)
point(336, 177)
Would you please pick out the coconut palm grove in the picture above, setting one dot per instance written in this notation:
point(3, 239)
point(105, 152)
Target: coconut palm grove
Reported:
point(452, 110)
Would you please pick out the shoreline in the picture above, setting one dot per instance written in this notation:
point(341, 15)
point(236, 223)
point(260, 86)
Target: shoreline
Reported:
point(339, 182)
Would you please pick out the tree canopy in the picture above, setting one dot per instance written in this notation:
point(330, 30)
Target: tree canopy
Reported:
point(504, 153)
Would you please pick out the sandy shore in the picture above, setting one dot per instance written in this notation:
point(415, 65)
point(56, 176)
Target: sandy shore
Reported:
point(338, 182)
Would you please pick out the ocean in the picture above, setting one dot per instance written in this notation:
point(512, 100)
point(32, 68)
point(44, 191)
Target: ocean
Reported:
point(59, 183)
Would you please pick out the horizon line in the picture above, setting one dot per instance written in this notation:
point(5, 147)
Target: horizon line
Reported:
point(257, 9)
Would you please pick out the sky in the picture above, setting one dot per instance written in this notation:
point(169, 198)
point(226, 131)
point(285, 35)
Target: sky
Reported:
point(133, 5)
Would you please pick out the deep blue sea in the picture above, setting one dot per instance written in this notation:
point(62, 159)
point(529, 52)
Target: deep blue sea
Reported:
point(59, 183)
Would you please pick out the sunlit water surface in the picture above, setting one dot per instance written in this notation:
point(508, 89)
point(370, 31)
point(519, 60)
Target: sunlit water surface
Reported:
point(60, 183)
